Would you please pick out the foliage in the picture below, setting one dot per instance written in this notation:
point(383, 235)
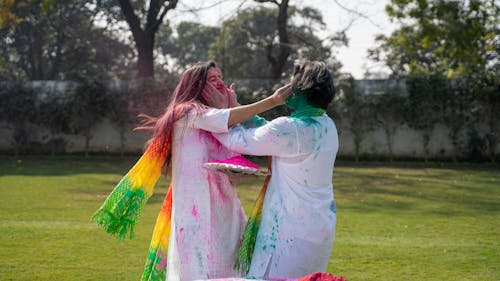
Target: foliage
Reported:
point(456, 113)
point(476, 145)
point(7, 18)
point(190, 45)
point(256, 27)
point(18, 109)
point(486, 102)
point(354, 108)
point(57, 40)
point(54, 114)
point(144, 20)
point(387, 110)
point(453, 38)
point(424, 106)
point(87, 105)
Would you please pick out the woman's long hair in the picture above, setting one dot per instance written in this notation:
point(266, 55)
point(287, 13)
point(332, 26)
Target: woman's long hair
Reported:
point(186, 96)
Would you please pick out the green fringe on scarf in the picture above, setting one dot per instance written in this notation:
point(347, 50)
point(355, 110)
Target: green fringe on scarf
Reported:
point(245, 252)
point(122, 210)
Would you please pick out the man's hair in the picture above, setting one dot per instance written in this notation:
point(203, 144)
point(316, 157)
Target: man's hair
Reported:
point(314, 80)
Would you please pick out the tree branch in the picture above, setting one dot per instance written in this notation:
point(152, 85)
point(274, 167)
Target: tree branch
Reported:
point(351, 11)
point(268, 1)
point(171, 5)
point(153, 11)
point(131, 18)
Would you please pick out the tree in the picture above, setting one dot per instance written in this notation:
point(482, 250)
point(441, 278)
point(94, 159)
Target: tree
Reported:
point(387, 112)
point(144, 20)
point(7, 17)
point(423, 106)
point(247, 40)
point(87, 105)
point(54, 114)
point(278, 58)
point(190, 45)
point(487, 100)
point(288, 41)
point(18, 110)
point(456, 100)
point(355, 111)
point(57, 40)
point(451, 38)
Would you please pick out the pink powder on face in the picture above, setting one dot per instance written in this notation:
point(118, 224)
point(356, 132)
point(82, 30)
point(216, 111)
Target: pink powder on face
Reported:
point(238, 160)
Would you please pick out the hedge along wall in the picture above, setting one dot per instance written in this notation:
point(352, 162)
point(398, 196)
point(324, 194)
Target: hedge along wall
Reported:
point(419, 117)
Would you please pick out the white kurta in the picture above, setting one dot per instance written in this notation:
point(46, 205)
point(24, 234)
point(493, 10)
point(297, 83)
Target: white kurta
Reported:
point(207, 216)
point(298, 218)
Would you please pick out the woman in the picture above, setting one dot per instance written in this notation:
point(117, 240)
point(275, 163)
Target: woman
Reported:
point(297, 226)
point(201, 221)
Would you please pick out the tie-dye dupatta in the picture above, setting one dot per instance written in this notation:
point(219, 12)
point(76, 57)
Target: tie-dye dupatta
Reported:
point(245, 252)
point(121, 211)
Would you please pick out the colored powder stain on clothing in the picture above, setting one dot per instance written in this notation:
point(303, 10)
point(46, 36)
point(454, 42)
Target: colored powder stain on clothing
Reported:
point(205, 135)
point(333, 207)
point(199, 258)
point(306, 120)
point(215, 182)
point(194, 211)
point(181, 230)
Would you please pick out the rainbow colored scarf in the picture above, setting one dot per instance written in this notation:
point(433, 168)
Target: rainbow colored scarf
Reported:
point(245, 252)
point(121, 211)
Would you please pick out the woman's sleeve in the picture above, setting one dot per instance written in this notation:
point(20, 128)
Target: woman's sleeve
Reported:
point(212, 120)
point(278, 138)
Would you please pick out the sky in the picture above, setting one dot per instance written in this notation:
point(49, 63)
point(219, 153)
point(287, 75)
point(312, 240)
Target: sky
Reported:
point(361, 33)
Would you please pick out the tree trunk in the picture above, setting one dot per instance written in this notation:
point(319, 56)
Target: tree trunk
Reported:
point(284, 46)
point(278, 62)
point(425, 141)
point(144, 37)
point(145, 62)
point(389, 133)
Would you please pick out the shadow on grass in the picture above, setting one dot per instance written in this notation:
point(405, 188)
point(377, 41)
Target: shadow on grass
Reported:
point(434, 191)
point(442, 189)
point(65, 165)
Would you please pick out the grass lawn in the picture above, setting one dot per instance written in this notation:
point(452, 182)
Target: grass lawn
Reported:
point(394, 222)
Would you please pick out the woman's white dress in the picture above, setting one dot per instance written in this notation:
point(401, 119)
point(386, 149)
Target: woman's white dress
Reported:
point(207, 216)
point(298, 218)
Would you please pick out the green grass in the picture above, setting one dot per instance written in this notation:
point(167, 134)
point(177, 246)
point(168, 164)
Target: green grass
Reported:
point(399, 222)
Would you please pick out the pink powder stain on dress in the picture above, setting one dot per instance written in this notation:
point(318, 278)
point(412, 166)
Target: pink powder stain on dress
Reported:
point(181, 230)
point(211, 140)
point(214, 182)
point(194, 211)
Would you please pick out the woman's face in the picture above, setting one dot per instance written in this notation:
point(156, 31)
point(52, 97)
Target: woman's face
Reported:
point(214, 77)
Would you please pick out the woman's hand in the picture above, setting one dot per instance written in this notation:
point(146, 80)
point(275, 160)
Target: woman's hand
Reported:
point(282, 94)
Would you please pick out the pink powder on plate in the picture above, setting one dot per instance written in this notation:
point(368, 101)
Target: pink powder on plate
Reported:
point(238, 160)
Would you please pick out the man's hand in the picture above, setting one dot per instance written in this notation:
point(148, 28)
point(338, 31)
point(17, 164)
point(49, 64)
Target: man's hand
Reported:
point(215, 98)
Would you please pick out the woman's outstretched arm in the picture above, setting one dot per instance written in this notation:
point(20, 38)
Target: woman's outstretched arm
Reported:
point(241, 113)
